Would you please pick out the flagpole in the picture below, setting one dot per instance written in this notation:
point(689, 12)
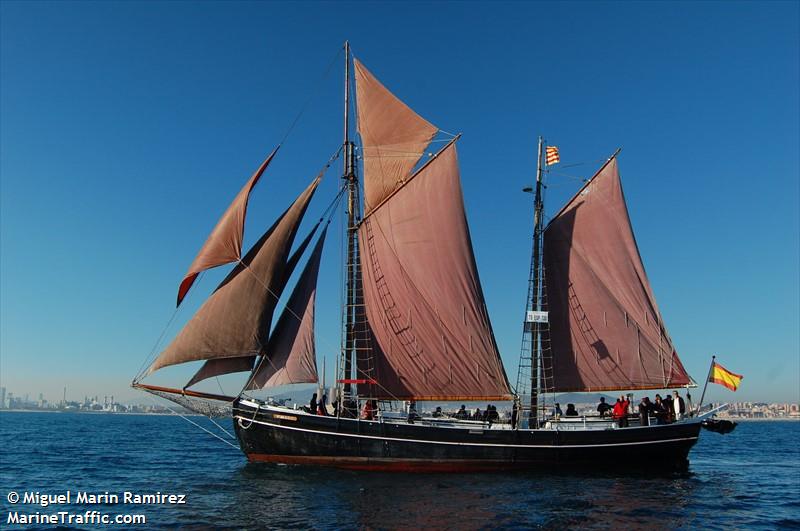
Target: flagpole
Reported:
point(711, 368)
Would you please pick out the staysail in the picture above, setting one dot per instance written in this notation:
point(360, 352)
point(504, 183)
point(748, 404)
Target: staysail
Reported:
point(393, 136)
point(605, 329)
point(221, 366)
point(224, 244)
point(235, 320)
point(290, 356)
point(423, 297)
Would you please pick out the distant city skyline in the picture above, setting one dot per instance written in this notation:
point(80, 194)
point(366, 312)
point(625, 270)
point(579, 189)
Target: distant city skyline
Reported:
point(126, 128)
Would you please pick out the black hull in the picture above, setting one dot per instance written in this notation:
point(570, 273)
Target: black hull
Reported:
point(284, 436)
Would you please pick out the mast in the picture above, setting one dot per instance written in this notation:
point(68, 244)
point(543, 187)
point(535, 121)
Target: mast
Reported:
point(536, 352)
point(353, 215)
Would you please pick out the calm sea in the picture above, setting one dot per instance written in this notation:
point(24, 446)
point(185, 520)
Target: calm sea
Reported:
point(748, 479)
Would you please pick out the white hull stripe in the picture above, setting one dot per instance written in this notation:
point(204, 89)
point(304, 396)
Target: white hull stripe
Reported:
point(552, 446)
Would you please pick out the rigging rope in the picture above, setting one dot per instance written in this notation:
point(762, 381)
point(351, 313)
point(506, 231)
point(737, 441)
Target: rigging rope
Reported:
point(196, 424)
point(148, 359)
point(312, 96)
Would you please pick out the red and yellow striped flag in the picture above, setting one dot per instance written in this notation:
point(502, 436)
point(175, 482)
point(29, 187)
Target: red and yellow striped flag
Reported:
point(551, 155)
point(721, 375)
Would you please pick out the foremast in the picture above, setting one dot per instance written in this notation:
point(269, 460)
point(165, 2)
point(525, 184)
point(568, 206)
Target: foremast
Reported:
point(353, 309)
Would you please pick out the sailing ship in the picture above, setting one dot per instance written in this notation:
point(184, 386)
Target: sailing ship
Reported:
point(415, 326)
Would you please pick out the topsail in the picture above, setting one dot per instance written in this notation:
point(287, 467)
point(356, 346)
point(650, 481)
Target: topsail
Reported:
point(394, 137)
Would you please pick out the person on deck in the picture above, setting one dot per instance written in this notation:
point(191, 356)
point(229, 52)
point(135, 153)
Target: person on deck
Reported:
point(668, 407)
point(678, 406)
point(438, 412)
point(412, 412)
point(644, 411)
point(620, 412)
point(368, 411)
point(571, 411)
point(660, 410)
point(603, 408)
point(312, 405)
point(514, 414)
point(322, 408)
point(462, 414)
point(557, 413)
point(477, 415)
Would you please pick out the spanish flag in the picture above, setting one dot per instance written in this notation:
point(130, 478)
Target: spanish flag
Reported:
point(721, 375)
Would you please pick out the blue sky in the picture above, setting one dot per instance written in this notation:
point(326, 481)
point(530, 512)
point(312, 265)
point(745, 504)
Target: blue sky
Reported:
point(125, 128)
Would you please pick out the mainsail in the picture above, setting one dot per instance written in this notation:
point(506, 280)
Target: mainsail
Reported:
point(235, 320)
point(224, 244)
point(290, 356)
point(605, 328)
point(423, 297)
point(393, 136)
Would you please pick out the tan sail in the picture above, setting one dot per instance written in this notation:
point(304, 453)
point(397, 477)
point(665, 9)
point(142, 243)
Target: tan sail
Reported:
point(605, 328)
point(224, 244)
point(423, 296)
point(236, 318)
point(393, 136)
point(291, 356)
point(221, 366)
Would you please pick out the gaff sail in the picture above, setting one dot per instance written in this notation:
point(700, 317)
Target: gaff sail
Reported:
point(423, 297)
point(605, 329)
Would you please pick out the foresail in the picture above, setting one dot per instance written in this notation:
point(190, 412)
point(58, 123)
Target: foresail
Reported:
point(224, 244)
point(222, 366)
point(291, 356)
point(393, 136)
point(423, 297)
point(606, 331)
point(236, 318)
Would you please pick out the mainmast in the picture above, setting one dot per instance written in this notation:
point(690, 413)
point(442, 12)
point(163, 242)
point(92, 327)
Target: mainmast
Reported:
point(532, 341)
point(536, 299)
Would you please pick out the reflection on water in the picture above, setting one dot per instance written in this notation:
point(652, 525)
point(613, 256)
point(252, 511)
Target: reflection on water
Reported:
point(749, 479)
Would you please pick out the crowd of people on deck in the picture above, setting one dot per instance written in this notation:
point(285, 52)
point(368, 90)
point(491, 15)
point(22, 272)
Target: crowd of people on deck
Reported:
point(665, 410)
point(490, 414)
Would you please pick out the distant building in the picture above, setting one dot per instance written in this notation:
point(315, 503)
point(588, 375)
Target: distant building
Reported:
point(2, 397)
